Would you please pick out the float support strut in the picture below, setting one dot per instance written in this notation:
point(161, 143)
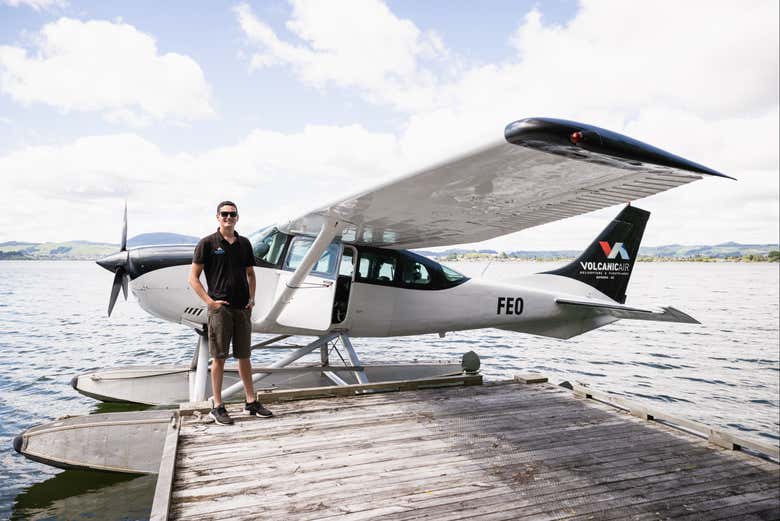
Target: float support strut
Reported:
point(353, 358)
point(292, 357)
point(201, 363)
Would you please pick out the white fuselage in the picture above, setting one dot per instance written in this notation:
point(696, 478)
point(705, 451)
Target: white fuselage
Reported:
point(375, 310)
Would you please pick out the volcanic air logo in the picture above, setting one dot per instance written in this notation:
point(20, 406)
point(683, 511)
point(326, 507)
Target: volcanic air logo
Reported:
point(608, 269)
point(617, 250)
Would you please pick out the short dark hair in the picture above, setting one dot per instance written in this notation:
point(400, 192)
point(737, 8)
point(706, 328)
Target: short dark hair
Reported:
point(227, 203)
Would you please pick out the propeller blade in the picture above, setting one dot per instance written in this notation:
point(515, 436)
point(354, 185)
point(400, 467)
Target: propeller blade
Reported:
point(123, 244)
point(125, 278)
point(115, 289)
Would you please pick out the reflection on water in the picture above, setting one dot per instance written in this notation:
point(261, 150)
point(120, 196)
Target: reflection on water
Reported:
point(723, 373)
point(106, 407)
point(85, 494)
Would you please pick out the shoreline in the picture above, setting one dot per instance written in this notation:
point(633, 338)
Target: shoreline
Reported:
point(494, 258)
point(754, 259)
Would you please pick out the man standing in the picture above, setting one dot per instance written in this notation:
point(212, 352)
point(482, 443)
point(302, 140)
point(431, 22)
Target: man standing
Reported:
point(228, 261)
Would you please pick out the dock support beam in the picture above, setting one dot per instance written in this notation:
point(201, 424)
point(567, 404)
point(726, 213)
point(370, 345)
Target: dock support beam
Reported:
point(162, 492)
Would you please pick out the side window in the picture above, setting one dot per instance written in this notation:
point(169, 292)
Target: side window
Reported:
point(326, 265)
point(404, 269)
point(416, 274)
point(451, 275)
point(386, 272)
point(421, 273)
point(377, 266)
point(269, 250)
point(363, 267)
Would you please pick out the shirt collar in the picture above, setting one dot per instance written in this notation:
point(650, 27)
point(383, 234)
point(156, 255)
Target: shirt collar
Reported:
point(219, 237)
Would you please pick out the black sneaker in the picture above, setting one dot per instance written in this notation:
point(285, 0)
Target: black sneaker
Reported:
point(256, 409)
point(220, 415)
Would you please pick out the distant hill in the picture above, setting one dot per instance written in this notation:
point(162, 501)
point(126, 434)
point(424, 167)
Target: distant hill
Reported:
point(153, 239)
point(83, 250)
point(718, 251)
point(55, 250)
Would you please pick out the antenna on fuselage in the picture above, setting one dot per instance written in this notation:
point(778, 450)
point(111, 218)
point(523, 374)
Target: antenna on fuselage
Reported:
point(486, 267)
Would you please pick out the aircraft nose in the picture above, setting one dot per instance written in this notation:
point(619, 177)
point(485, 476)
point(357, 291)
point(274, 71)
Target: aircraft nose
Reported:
point(114, 261)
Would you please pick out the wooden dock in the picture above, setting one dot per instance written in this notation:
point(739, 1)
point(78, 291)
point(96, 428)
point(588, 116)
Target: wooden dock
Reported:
point(499, 451)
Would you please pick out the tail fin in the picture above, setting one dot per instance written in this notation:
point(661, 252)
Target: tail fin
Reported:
point(607, 263)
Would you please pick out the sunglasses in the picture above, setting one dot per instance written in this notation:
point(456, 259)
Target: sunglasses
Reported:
point(228, 214)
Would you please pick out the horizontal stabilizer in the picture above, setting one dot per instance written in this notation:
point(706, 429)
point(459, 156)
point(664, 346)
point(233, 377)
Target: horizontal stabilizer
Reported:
point(664, 314)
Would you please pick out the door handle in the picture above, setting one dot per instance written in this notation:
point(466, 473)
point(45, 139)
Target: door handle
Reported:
point(313, 285)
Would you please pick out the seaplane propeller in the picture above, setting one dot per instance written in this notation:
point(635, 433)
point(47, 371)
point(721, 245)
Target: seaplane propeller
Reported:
point(117, 263)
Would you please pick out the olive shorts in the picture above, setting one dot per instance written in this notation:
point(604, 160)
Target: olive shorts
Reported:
point(226, 324)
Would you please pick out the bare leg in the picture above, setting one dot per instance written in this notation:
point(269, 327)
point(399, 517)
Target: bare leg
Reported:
point(245, 371)
point(217, 371)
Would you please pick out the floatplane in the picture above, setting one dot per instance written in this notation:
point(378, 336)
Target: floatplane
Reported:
point(346, 270)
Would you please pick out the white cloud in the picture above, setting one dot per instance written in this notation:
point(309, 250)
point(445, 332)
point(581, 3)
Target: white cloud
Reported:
point(111, 68)
point(275, 176)
point(714, 58)
point(271, 175)
point(731, 144)
point(38, 5)
point(351, 43)
point(700, 81)
point(614, 61)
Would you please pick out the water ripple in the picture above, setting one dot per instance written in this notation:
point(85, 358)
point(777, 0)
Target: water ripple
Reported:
point(723, 373)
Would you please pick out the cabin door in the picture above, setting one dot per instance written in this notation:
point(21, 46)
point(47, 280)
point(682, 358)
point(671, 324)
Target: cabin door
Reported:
point(311, 305)
point(344, 281)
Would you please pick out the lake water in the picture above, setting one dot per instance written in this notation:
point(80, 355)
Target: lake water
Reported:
point(723, 373)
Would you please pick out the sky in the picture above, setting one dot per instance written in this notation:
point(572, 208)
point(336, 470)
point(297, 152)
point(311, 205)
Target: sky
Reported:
point(283, 106)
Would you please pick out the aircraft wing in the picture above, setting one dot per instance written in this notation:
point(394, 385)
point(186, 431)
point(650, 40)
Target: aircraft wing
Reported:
point(542, 170)
point(665, 314)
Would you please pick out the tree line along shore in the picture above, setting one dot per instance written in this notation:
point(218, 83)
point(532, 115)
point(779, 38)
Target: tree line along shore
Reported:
point(772, 256)
point(723, 252)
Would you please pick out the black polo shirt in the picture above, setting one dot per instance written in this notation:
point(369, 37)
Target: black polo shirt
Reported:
point(225, 267)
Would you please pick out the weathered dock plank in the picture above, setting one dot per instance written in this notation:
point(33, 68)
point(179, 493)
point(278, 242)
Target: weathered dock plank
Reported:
point(495, 452)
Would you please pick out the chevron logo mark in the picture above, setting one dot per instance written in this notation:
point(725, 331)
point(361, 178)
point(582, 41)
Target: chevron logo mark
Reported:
point(618, 250)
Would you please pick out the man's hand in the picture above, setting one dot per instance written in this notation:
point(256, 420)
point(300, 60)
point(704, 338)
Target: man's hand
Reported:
point(252, 281)
point(216, 304)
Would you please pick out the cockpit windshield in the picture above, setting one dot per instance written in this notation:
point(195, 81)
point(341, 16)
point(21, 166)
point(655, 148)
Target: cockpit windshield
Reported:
point(268, 245)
